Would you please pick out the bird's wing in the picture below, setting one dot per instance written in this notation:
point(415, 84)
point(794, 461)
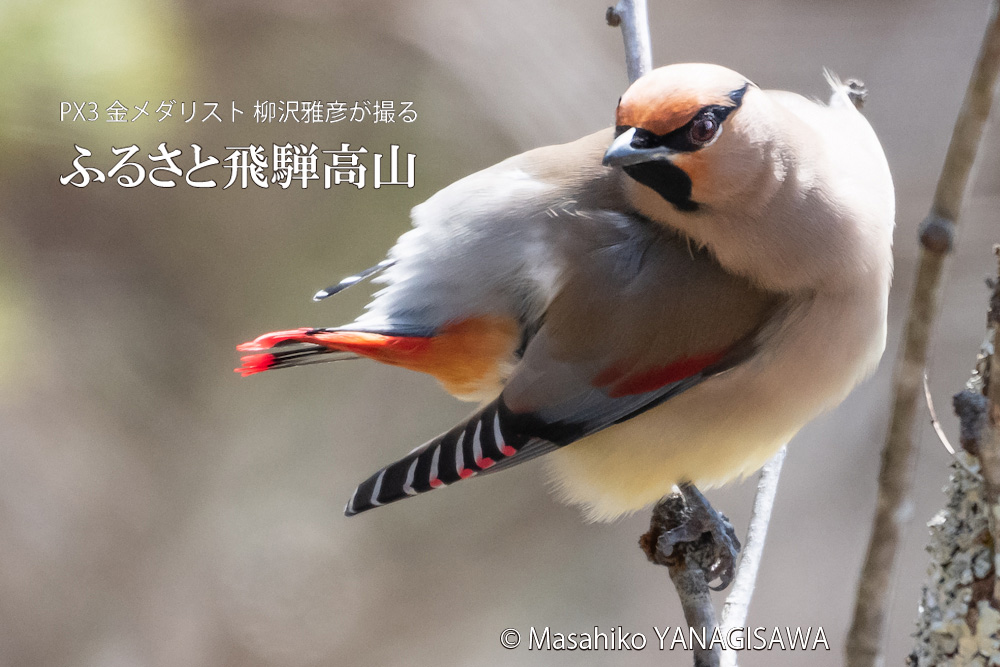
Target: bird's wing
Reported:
point(533, 285)
point(638, 318)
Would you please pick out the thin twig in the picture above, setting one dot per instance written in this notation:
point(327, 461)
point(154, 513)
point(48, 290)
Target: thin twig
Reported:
point(696, 601)
point(866, 637)
point(689, 580)
point(631, 15)
point(936, 425)
point(734, 613)
point(687, 576)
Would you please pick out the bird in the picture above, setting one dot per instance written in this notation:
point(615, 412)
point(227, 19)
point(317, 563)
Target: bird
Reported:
point(664, 302)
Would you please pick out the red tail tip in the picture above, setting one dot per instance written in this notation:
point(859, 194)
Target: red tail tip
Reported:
point(269, 340)
point(255, 363)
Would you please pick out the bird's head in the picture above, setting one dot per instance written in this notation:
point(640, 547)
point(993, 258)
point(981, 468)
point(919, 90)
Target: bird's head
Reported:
point(780, 189)
point(691, 134)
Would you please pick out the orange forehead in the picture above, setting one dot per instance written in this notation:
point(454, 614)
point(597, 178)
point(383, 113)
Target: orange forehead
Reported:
point(668, 97)
point(659, 116)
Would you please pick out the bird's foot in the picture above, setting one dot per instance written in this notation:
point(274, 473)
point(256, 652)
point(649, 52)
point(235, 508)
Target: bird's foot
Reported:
point(686, 530)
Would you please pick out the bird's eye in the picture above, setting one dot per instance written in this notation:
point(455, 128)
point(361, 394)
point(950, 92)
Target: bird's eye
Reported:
point(703, 130)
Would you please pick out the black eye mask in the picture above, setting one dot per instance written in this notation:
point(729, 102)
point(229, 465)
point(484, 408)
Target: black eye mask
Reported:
point(667, 179)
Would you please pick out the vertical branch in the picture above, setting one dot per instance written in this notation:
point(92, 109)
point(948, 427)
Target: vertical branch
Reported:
point(864, 643)
point(631, 15)
point(734, 613)
point(696, 600)
point(687, 575)
point(686, 563)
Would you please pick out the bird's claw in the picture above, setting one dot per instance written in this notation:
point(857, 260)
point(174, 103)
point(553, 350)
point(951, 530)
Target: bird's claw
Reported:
point(692, 531)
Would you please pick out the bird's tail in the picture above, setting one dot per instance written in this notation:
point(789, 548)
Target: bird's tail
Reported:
point(298, 347)
point(489, 440)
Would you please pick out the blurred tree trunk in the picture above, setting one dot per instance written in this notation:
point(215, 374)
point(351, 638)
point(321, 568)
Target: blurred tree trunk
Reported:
point(866, 638)
point(959, 621)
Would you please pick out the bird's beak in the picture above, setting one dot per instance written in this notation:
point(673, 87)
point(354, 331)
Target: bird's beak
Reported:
point(622, 153)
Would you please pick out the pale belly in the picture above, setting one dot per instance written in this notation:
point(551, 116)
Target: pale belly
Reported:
point(731, 424)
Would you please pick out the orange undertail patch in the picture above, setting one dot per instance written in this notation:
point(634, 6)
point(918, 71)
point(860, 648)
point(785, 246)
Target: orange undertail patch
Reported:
point(464, 356)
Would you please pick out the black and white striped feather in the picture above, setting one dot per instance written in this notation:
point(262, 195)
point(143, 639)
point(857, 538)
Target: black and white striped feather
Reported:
point(350, 281)
point(489, 438)
point(496, 438)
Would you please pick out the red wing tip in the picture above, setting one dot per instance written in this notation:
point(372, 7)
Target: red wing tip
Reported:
point(639, 382)
point(255, 363)
point(269, 340)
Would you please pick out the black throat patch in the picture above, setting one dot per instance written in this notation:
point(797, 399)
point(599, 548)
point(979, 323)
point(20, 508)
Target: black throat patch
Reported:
point(667, 180)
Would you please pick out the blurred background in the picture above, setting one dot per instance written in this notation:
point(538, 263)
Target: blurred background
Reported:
point(156, 509)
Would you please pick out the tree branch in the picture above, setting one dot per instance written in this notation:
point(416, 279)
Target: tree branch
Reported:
point(682, 560)
point(685, 562)
point(631, 15)
point(734, 613)
point(866, 637)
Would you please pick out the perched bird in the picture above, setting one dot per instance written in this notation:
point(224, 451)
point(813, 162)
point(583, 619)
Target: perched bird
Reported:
point(661, 303)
